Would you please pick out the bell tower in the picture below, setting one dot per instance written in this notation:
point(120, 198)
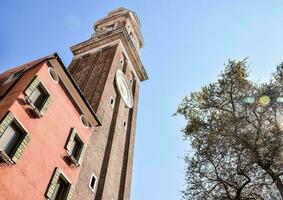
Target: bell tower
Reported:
point(108, 70)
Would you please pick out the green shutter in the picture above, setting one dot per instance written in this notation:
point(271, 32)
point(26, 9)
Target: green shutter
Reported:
point(71, 139)
point(82, 154)
point(70, 193)
point(53, 183)
point(17, 155)
point(46, 104)
point(7, 120)
point(35, 82)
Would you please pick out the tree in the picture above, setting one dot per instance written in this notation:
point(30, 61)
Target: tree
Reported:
point(235, 128)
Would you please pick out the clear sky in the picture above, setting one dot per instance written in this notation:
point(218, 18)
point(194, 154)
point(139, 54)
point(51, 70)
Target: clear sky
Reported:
point(186, 44)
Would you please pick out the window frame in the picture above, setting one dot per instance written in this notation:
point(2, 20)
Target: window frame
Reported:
point(35, 83)
point(15, 137)
point(12, 76)
point(82, 148)
point(76, 147)
point(57, 174)
point(84, 120)
point(42, 91)
point(21, 145)
point(53, 75)
point(90, 180)
point(125, 124)
point(112, 101)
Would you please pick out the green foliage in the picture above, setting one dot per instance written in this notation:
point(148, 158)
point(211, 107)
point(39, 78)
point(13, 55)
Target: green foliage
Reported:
point(236, 145)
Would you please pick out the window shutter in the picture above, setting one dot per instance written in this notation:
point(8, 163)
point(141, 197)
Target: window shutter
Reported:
point(46, 104)
point(5, 158)
point(21, 148)
point(82, 154)
point(7, 120)
point(32, 86)
point(70, 193)
point(70, 140)
point(53, 183)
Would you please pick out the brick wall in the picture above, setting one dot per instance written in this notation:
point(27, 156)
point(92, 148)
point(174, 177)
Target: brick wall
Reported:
point(110, 152)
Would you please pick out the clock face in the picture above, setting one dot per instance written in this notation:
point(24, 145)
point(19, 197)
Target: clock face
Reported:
point(124, 88)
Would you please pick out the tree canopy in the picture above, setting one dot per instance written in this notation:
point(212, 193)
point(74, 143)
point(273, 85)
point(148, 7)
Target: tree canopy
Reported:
point(235, 127)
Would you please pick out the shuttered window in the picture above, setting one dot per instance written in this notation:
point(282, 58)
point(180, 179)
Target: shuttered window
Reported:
point(10, 139)
point(13, 139)
point(14, 76)
point(38, 97)
point(59, 188)
point(75, 148)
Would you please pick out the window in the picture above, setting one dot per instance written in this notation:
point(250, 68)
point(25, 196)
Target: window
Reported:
point(14, 76)
point(84, 121)
point(53, 74)
point(112, 102)
point(75, 148)
point(38, 97)
point(13, 140)
point(92, 182)
point(60, 187)
point(124, 124)
point(132, 35)
point(10, 139)
point(110, 27)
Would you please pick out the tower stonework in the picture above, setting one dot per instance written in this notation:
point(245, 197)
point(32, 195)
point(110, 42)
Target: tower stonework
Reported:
point(108, 70)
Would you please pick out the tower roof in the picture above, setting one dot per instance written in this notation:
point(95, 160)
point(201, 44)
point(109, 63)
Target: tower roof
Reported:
point(122, 15)
point(120, 25)
point(122, 10)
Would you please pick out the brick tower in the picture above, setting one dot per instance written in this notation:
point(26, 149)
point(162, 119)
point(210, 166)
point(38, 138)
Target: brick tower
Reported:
point(108, 70)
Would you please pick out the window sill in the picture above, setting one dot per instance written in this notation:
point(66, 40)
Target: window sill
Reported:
point(73, 160)
point(5, 159)
point(35, 110)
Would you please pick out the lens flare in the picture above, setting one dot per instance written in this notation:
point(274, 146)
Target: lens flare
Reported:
point(249, 100)
point(279, 117)
point(279, 100)
point(264, 100)
point(73, 23)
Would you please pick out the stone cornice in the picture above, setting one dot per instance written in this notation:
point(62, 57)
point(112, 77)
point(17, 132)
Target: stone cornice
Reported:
point(119, 34)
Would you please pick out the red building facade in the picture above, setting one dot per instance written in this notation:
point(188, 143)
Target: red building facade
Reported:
point(40, 152)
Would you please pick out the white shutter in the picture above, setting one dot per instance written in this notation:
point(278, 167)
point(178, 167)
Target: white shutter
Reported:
point(82, 153)
point(53, 182)
point(21, 148)
point(35, 82)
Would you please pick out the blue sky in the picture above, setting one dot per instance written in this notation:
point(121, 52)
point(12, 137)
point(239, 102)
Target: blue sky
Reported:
point(186, 44)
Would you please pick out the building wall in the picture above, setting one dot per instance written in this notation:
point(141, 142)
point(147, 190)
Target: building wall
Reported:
point(116, 152)
point(30, 176)
point(98, 66)
point(106, 155)
point(126, 172)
